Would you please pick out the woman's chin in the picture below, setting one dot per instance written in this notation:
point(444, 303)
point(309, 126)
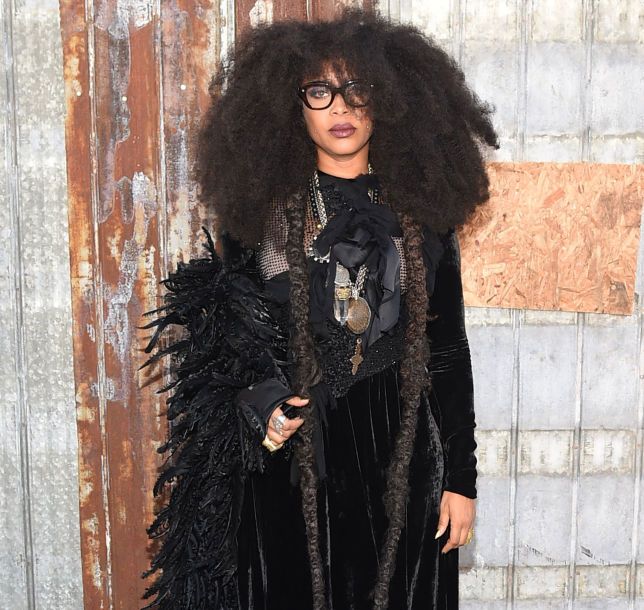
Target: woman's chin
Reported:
point(344, 148)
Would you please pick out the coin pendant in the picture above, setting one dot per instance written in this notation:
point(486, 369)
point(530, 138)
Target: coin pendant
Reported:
point(359, 315)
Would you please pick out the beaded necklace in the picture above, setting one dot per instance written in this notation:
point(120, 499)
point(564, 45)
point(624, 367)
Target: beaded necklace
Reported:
point(349, 307)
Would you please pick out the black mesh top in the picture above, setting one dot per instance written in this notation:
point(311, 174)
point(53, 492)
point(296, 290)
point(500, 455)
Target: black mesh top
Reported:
point(334, 343)
point(271, 257)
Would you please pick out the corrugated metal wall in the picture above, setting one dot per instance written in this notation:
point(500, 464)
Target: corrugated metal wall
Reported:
point(40, 562)
point(559, 396)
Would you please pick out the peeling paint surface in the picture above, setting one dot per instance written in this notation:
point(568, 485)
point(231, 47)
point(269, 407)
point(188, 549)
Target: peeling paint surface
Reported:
point(132, 212)
point(261, 12)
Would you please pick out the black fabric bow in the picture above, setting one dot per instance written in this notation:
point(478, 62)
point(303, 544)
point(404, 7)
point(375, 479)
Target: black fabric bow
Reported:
point(359, 232)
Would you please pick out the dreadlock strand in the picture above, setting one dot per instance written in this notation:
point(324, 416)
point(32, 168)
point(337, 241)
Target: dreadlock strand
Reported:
point(413, 380)
point(306, 374)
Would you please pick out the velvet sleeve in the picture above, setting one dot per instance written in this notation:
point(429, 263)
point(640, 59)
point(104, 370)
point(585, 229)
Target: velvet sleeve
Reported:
point(450, 364)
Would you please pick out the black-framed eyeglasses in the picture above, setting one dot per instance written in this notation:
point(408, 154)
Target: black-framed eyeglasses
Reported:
point(318, 95)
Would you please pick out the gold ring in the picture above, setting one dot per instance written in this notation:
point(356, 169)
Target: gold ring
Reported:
point(470, 535)
point(270, 445)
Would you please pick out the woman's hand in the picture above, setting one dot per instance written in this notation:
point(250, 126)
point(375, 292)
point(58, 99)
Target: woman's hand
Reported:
point(290, 425)
point(459, 512)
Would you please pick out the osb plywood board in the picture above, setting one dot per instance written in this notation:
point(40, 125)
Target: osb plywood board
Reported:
point(555, 237)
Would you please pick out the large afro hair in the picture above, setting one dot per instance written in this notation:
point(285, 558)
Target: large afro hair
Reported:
point(429, 127)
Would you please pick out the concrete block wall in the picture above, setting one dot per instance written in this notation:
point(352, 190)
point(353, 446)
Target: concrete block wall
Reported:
point(559, 396)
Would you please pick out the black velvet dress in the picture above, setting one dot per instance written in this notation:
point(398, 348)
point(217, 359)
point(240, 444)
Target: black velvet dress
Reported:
point(232, 533)
point(362, 418)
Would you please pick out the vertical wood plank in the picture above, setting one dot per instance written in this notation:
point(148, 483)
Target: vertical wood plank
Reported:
point(252, 12)
point(191, 41)
point(113, 176)
point(78, 127)
point(322, 10)
point(125, 219)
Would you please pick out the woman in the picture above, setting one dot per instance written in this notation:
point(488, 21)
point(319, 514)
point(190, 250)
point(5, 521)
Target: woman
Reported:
point(322, 456)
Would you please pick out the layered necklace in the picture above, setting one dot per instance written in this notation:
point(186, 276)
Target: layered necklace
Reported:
point(350, 309)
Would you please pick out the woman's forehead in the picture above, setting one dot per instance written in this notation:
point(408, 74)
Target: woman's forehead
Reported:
point(333, 71)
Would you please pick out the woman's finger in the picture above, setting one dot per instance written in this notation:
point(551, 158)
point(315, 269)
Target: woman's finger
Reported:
point(443, 521)
point(464, 533)
point(285, 432)
point(458, 535)
point(274, 436)
point(444, 517)
point(462, 512)
point(298, 401)
point(290, 425)
point(454, 537)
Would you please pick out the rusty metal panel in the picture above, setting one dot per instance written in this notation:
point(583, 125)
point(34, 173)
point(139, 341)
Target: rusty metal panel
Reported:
point(193, 33)
point(249, 13)
point(253, 12)
point(79, 183)
point(324, 10)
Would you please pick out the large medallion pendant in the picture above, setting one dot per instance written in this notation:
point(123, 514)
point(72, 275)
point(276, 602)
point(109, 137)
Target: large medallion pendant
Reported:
point(359, 315)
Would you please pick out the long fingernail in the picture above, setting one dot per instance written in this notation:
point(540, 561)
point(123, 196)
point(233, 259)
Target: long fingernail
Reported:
point(438, 534)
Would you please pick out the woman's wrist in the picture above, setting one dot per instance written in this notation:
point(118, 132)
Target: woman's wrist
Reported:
point(258, 401)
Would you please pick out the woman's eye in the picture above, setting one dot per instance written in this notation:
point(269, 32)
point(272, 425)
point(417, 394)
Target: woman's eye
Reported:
point(318, 92)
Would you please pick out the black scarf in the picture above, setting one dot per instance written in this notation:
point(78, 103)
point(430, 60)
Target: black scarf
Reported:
point(357, 232)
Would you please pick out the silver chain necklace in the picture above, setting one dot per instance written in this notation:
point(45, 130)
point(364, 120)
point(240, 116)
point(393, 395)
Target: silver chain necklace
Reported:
point(349, 307)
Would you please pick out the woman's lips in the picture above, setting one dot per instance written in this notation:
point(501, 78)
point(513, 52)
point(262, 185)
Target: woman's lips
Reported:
point(342, 131)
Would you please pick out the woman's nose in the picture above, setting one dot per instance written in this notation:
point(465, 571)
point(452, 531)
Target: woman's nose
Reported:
point(339, 106)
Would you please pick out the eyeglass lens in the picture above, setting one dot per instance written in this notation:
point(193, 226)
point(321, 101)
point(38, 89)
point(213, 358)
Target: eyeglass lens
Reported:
point(355, 94)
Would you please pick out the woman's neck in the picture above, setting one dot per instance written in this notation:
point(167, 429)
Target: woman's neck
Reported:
point(344, 169)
